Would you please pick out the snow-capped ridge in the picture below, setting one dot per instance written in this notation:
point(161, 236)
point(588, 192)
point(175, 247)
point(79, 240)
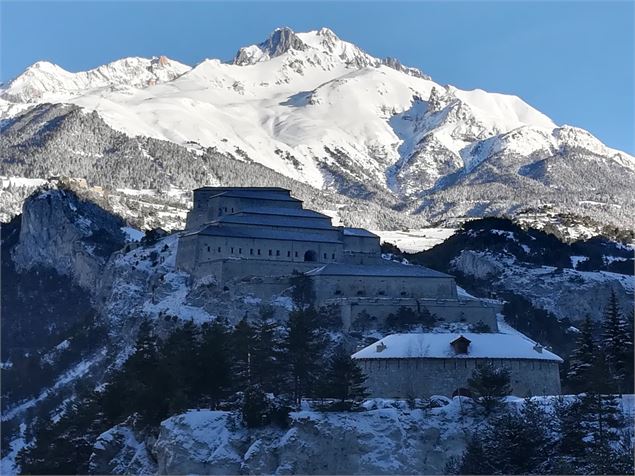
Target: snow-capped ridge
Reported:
point(45, 81)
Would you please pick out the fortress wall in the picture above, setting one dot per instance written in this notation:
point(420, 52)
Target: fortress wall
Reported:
point(207, 209)
point(362, 244)
point(371, 313)
point(328, 234)
point(288, 251)
point(186, 253)
point(224, 205)
point(356, 257)
point(258, 272)
point(330, 287)
point(401, 378)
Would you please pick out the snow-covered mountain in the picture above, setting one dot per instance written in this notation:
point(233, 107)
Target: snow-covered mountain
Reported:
point(320, 110)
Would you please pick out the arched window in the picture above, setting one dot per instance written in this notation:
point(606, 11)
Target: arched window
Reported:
point(310, 255)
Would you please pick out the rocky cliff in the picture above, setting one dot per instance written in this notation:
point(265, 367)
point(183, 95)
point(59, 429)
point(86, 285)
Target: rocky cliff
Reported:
point(386, 437)
point(73, 237)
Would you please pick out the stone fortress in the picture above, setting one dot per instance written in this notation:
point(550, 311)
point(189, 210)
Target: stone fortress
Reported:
point(259, 237)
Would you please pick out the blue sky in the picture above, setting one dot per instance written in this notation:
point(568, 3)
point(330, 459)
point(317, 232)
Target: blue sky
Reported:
point(574, 61)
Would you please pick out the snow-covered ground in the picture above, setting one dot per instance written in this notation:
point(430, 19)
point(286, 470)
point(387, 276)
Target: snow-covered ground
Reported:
point(412, 241)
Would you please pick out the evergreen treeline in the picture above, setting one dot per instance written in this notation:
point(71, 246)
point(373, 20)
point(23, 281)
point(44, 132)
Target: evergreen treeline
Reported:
point(603, 364)
point(582, 435)
point(262, 369)
point(585, 434)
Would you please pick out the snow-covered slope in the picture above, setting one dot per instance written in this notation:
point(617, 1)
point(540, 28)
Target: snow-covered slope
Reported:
point(322, 111)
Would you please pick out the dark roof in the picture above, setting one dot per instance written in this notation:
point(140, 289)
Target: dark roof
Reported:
point(258, 195)
point(388, 270)
point(227, 189)
point(297, 212)
point(260, 233)
point(359, 232)
point(278, 221)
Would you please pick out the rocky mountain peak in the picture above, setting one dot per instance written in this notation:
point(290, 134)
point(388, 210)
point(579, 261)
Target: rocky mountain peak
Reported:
point(279, 42)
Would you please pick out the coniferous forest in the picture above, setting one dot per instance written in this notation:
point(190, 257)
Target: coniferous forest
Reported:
point(264, 369)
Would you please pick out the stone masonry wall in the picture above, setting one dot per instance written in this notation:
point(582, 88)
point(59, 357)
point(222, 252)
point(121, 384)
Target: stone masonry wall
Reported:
point(363, 313)
point(401, 378)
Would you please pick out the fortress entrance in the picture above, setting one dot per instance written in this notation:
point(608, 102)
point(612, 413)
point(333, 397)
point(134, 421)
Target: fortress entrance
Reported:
point(462, 392)
point(310, 255)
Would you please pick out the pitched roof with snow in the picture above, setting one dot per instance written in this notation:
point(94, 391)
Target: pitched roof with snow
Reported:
point(437, 346)
point(387, 270)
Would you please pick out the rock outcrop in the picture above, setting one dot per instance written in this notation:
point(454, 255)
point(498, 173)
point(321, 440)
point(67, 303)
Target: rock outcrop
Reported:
point(388, 438)
point(63, 232)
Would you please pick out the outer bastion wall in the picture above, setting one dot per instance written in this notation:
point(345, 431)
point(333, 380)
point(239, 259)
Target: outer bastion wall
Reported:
point(330, 287)
point(369, 313)
point(248, 249)
point(402, 378)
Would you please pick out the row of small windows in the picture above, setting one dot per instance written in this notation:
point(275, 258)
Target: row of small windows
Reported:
point(257, 252)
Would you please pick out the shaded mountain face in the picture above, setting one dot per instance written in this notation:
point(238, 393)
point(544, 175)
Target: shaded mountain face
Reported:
point(321, 111)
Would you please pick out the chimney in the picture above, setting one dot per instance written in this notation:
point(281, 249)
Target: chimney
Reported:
point(381, 347)
point(538, 348)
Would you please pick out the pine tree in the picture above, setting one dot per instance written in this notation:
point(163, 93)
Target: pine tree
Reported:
point(303, 346)
point(213, 369)
point(267, 363)
point(570, 445)
point(617, 343)
point(255, 407)
point(144, 382)
point(474, 459)
point(302, 293)
point(179, 358)
point(602, 422)
point(490, 385)
point(242, 344)
point(343, 378)
point(582, 358)
point(515, 442)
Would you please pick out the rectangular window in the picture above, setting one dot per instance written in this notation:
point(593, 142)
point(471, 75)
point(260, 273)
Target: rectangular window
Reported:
point(296, 254)
point(288, 254)
point(270, 252)
point(324, 255)
point(240, 251)
point(251, 251)
point(259, 252)
point(277, 252)
point(333, 256)
point(219, 249)
point(232, 250)
point(208, 249)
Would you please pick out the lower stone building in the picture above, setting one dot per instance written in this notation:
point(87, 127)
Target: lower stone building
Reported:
point(425, 364)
